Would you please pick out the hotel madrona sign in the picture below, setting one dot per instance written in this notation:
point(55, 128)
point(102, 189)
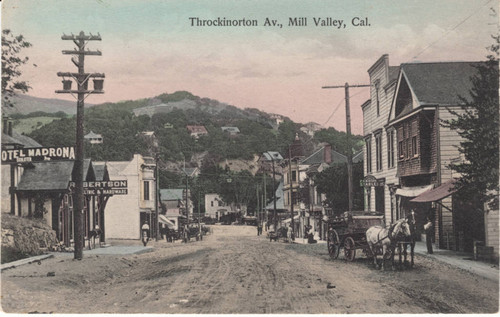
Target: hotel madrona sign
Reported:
point(38, 154)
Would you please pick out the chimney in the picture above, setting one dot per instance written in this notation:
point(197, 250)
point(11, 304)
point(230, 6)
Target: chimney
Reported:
point(327, 154)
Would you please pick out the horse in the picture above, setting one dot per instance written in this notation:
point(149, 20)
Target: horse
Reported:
point(386, 237)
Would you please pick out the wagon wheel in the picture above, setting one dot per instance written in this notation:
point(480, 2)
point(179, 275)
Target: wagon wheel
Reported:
point(333, 244)
point(349, 249)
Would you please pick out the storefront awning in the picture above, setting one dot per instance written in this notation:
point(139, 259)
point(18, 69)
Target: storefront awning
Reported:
point(438, 193)
point(413, 191)
point(164, 220)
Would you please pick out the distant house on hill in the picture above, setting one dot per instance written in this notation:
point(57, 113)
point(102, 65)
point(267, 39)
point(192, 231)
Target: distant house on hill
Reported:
point(310, 128)
point(231, 130)
point(93, 138)
point(191, 171)
point(196, 130)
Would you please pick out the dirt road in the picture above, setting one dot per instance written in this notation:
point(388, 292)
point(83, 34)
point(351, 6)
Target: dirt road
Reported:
point(234, 271)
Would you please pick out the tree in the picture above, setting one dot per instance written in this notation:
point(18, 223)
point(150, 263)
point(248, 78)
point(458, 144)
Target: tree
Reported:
point(478, 124)
point(11, 64)
point(333, 183)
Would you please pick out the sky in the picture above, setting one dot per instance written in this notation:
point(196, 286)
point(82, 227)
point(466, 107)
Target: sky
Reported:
point(151, 47)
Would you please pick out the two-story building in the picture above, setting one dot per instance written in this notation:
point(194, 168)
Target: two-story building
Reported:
point(292, 176)
point(126, 214)
point(380, 166)
point(315, 163)
point(425, 94)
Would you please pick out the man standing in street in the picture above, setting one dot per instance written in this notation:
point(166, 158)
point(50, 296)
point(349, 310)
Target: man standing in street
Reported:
point(429, 232)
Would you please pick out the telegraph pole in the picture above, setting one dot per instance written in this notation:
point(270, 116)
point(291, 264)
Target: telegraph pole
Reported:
point(81, 92)
point(292, 223)
point(348, 132)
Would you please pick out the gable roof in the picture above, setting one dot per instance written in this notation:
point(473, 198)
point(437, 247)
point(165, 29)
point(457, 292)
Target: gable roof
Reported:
point(358, 157)
point(191, 171)
point(52, 175)
point(171, 194)
point(101, 171)
point(92, 135)
point(319, 157)
point(17, 138)
point(280, 202)
point(440, 83)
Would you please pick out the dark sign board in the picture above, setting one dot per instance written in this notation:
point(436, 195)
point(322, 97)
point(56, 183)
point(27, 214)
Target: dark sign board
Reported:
point(105, 191)
point(38, 154)
point(103, 184)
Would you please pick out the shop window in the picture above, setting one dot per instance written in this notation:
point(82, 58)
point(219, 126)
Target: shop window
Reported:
point(146, 190)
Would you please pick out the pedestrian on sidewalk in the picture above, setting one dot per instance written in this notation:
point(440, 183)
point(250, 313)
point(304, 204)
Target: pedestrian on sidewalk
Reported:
point(429, 232)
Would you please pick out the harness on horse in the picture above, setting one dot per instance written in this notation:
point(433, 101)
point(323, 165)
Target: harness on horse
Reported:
point(389, 234)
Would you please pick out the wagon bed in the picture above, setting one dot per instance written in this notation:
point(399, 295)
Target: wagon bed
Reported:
point(348, 231)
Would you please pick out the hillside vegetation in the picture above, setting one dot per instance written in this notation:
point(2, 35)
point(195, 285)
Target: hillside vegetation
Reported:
point(121, 125)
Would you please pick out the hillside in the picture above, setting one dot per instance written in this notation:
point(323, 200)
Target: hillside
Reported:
point(25, 104)
point(121, 124)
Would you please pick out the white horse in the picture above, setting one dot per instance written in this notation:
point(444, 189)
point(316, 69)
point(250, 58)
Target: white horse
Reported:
point(379, 237)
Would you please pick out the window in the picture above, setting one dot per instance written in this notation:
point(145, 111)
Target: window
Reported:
point(319, 201)
point(414, 145)
point(408, 150)
point(294, 176)
point(368, 155)
point(146, 190)
point(212, 203)
point(390, 149)
point(377, 87)
point(378, 151)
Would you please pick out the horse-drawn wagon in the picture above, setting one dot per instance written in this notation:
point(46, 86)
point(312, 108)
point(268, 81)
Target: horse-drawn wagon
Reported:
point(367, 231)
point(348, 231)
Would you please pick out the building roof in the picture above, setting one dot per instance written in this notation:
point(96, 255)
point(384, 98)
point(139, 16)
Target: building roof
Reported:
point(231, 129)
point(280, 200)
point(171, 194)
point(17, 138)
point(100, 171)
point(190, 171)
point(52, 175)
point(92, 135)
point(318, 157)
point(358, 157)
point(393, 73)
point(196, 129)
point(441, 83)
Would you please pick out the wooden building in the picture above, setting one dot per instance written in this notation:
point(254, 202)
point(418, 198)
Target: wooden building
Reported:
point(425, 93)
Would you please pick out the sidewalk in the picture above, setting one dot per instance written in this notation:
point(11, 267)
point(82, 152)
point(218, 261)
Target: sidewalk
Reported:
point(105, 250)
point(461, 260)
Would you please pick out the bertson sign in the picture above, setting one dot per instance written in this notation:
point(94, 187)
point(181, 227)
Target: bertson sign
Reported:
point(114, 187)
point(38, 154)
